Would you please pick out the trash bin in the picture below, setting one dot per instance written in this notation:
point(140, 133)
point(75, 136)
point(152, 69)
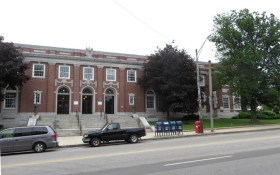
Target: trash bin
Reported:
point(197, 125)
point(179, 127)
point(173, 127)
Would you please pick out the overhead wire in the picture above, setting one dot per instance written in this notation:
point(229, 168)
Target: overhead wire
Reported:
point(141, 21)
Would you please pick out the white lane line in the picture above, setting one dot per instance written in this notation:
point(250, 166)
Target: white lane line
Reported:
point(201, 160)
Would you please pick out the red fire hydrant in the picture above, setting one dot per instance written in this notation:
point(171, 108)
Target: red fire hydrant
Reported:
point(197, 126)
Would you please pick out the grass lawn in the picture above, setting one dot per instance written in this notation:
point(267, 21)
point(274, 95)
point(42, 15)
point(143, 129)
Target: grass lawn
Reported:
point(221, 123)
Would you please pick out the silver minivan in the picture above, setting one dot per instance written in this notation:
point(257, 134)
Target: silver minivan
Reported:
point(36, 138)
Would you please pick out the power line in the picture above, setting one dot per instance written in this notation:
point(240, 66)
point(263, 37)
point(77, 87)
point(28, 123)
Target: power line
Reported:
point(141, 21)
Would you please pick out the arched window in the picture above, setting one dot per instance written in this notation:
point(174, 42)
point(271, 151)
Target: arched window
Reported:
point(87, 91)
point(63, 90)
point(109, 92)
point(150, 99)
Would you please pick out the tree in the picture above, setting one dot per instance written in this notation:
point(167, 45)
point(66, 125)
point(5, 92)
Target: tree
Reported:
point(12, 68)
point(170, 73)
point(248, 50)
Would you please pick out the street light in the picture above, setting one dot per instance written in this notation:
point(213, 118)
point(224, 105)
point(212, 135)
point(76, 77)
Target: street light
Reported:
point(198, 85)
point(210, 96)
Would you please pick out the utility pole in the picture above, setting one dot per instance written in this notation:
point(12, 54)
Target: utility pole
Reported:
point(198, 84)
point(198, 92)
point(210, 96)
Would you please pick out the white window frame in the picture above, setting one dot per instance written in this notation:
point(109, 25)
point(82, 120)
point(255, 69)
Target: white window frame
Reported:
point(84, 73)
point(59, 73)
point(236, 106)
point(228, 100)
point(131, 99)
point(37, 97)
point(154, 99)
point(107, 74)
point(11, 91)
point(135, 76)
point(33, 71)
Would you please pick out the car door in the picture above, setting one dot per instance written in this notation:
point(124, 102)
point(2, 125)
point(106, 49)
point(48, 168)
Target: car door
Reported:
point(112, 132)
point(23, 139)
point(6, 140)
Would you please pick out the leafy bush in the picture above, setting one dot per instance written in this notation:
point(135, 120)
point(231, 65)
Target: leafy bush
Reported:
point(244, 115)
point(268, 113)
point(1, 126)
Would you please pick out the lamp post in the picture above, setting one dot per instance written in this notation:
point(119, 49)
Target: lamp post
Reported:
point(198, 92)
point(198, 85)
point(210, 96)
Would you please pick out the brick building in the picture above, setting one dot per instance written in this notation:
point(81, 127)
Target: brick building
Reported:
point(87, 82)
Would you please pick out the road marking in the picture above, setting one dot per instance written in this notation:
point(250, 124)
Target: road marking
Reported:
point(200, 160)
point(170, 148)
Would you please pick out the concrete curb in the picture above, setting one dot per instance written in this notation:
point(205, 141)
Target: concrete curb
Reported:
point(206, 133)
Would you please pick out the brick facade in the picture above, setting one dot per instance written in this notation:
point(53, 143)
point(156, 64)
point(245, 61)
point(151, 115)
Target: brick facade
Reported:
point(52, 100)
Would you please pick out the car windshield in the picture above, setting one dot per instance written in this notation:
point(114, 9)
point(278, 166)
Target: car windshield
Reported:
point(8, 133)
point(104, 127)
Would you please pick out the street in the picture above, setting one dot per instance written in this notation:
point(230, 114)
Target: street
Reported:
point(240, 153)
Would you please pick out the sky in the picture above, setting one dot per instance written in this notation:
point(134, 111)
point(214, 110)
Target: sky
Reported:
point(122, 26)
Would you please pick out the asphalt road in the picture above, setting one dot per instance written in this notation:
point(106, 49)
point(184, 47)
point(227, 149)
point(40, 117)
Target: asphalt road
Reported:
point(252, 153)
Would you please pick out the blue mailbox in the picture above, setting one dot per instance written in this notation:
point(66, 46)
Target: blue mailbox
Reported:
point(166, 127)
point(158, 128)
point(173, 127)
point(179, 127)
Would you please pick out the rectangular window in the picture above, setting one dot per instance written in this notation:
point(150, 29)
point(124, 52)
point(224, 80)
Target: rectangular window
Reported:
point(10, 100)
point(226, 102)
point(131, 76)
point(64, 72)
point(131, 99)
point(110, 74)
point(88, 73)
point(37, 97)
point(38, 70)
point(150, 102)
point(237, 103)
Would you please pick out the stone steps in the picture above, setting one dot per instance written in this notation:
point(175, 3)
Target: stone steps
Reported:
point(91, 122)
point(126, 121)
point(68, 125)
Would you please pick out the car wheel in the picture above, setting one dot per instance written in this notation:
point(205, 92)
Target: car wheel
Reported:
point(133, 138)
point(95, 142)
point(39, 147)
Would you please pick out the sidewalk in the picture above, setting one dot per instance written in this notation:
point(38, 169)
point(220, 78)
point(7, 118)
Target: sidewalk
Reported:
point(72, 141)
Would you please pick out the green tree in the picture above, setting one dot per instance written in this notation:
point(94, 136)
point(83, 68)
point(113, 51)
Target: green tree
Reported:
point(248, 50)
point(171, 73)
point(12, 68)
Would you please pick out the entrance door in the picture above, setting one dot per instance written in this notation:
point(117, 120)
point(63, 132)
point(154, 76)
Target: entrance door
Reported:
point(63, 101)
point(109, 101)
point(87, 101)
point(63, 104)
point(109, 104)
point(87, 104)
